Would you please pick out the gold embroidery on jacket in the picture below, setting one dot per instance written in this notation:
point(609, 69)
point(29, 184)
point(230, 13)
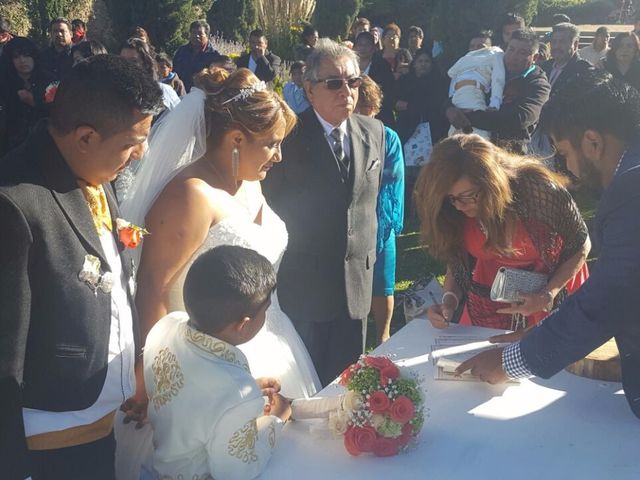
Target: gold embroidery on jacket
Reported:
point(272, 435)
point(167, 377)
point(243, 442)
point(213, 346)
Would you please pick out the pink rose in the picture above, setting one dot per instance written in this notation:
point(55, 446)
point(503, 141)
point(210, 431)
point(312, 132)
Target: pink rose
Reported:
point(379, 402)
point(364, 438)
point(349, 442)
point(390, 372)
point(386, 447)
point(402, 410)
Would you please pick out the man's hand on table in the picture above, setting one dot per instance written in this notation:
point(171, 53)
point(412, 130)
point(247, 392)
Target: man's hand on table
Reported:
point(487, 366)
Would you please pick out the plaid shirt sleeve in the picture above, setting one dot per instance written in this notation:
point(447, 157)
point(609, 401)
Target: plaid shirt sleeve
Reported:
point(513, 363)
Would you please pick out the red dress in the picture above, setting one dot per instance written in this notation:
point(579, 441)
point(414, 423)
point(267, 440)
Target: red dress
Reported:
point(480, 310)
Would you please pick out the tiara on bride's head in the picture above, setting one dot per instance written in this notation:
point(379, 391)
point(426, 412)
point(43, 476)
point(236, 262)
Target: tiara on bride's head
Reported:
point(247, 92)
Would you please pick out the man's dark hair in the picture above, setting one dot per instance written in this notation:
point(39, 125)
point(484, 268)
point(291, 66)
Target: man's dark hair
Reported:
point(297, 66)
point(226, 284)
point(366, 36)
point(57, 20)
point(560, 18)
point(602, 31)
point(89, 48)
point(308, 30)
point(104, 92)
point(482, 34)
point(511, 19)
point(567, 27)
point(200, 23)
point(257, 33)
point(414, 29)
point(5, 25)
point(529, 36)
point(594, 100)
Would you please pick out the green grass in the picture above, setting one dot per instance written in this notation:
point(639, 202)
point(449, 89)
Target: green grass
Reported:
point(413, 262)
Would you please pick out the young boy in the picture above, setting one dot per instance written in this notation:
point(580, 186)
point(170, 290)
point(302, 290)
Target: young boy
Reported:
point(207, 411)
point(168, 76)
point(293, 91)
point(473, 77)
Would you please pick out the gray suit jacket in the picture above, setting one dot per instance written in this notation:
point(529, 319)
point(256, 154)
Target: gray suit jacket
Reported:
point(327, 271)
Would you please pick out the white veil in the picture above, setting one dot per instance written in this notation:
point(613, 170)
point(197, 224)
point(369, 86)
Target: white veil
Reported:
point(177, 139)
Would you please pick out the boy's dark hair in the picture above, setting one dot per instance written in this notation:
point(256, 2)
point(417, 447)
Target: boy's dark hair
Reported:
point(143, 49)
point(308, 30)
point(164, 58)
point(593, 101)
point(226, 284)
point(78, 23)
point(103, 92)
point(296, 66)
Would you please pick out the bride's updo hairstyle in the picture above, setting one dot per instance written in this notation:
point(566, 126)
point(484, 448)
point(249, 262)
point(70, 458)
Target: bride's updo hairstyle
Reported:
point(236, 101)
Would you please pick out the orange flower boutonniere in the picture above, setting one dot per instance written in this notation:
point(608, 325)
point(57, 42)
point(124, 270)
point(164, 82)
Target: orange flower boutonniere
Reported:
point(129, 234)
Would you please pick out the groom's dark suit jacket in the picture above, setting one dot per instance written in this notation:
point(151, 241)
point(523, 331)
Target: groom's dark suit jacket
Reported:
point(327, 270)
point(54, 331)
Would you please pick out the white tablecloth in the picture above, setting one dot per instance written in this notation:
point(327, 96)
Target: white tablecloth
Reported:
point(565, 428)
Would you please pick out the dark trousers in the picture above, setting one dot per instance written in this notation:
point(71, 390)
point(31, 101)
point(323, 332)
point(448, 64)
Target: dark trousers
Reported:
point(333, 346)
point(91, 461)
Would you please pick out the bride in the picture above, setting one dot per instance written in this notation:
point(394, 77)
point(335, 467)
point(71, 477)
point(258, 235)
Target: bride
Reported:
point(199, 187)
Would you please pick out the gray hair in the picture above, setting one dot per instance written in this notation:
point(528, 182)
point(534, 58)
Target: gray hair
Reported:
point(567, 27)
point(328, 49)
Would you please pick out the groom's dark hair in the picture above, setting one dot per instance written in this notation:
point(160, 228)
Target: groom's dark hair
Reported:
point(226, 284)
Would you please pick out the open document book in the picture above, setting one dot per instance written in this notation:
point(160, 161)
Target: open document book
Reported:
point(449, 351)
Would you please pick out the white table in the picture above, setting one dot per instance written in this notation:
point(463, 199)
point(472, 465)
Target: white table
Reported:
point(565, 428)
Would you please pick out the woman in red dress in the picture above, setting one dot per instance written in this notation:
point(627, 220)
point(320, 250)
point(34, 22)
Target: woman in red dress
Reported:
point(482, 208)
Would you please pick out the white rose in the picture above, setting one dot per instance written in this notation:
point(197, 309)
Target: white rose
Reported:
point(352, 401)
point(338, 422)
point(377, 420)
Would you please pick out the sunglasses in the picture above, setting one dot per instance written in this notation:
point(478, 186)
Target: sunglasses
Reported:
point(465, 198)
point(338, 83)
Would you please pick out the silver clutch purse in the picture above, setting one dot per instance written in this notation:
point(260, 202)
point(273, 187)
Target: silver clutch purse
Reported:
point(511, 282)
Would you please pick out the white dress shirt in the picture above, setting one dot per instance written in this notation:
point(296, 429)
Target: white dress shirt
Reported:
point(328, 128)
point(252, 64)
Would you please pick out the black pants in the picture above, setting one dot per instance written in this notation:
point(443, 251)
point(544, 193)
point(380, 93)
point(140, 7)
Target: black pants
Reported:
point(91, 461)
point(333, 346)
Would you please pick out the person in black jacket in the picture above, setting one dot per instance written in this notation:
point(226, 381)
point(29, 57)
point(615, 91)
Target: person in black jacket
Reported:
point(623, 60)
point(525, 92)
point(259, 60)
point(565, 64)
point(57, 60)
point(23, 90)
point(373, 65)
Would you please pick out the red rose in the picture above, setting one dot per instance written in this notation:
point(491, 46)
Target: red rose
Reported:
point(407, 433)
point(345, 376)
point(130, 237)
point(364, 438)
point(349, 442)
point(386, 447)
point(379, 402)
point(390, 372)
point(402, 409)
point(377, 362)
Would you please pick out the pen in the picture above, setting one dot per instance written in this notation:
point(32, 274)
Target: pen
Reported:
point(435, 302)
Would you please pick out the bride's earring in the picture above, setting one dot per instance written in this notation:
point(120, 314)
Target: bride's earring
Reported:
point(235, 162)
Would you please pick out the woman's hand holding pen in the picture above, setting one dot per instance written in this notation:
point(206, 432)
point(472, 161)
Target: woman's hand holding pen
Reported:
point(440, 314)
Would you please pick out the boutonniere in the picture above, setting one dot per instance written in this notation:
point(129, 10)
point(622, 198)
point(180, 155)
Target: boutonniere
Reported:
point(90, 274)
point(129, 234)
point(50, 92)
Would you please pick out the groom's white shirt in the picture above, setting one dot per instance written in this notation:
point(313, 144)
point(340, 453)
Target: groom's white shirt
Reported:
point(204, 405)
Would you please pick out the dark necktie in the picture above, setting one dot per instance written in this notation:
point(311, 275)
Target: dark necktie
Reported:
point(338, 151)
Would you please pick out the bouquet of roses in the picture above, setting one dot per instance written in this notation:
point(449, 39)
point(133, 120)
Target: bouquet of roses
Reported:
point(381, 412)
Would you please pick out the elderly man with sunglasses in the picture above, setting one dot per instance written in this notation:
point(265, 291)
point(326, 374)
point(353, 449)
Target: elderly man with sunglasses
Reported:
point(325, 190)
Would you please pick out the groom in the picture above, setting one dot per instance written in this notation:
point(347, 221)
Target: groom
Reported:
point(325, 190)
point(67, 321)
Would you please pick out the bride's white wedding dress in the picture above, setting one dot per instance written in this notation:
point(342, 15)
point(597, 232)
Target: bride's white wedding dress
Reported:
point(277, 350)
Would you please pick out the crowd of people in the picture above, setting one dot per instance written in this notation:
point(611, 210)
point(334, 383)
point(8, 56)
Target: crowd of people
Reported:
point(236, 188)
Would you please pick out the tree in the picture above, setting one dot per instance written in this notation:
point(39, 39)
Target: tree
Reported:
point(234, 19)
point(333, 18)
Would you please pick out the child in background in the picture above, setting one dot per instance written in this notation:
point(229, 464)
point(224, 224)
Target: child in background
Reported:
point(473, 77)
point(168, 76)
point(293, 91)
point(208, 413)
